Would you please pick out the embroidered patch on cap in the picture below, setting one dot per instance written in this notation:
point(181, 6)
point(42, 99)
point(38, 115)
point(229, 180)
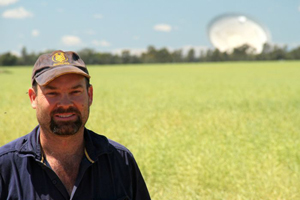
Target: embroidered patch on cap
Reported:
point(60, 59)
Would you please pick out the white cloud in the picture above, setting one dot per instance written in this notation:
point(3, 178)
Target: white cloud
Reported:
point(7, 2)
point(299, 8)
point(97, 16)
point(18, 13)
point(162, 27)
point(101, 43)
point(35, 33)
point(71, 40)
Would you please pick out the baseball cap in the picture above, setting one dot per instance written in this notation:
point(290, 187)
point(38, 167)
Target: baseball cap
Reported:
point(52, 65)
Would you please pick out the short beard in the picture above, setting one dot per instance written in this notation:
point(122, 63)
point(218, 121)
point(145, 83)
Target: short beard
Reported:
point(65, 128)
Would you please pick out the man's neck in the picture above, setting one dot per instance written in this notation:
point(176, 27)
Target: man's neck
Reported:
point(64, 154)
point(61, 147)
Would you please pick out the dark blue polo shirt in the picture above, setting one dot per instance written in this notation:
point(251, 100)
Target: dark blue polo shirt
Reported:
point(108, 171)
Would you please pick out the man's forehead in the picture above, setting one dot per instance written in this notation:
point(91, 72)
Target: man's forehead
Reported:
point(66, 82)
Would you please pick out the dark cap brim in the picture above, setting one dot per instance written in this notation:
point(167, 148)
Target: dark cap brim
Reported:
point(55, 72)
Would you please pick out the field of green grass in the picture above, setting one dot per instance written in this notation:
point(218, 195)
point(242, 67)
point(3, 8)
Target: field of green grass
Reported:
point(209, 131)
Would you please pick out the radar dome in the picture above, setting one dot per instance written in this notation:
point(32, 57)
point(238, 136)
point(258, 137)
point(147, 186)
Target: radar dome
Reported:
point(230, 31)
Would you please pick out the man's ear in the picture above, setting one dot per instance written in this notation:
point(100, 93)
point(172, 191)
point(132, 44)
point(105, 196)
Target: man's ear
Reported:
point(32, 96)
point(90, 93)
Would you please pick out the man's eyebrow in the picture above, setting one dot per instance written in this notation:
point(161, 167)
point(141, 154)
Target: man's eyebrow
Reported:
point(77, 86)
point(49, 87)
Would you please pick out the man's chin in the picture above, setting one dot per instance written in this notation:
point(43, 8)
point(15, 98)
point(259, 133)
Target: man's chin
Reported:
point(65, 130)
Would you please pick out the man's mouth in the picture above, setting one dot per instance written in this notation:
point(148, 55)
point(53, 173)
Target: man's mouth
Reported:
point(65, 121)
point(66, 116)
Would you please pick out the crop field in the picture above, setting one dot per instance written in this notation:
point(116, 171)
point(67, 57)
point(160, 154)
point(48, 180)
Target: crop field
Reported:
point(212, 131)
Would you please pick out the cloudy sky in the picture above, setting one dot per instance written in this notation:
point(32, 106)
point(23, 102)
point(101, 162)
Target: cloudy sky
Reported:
point(113, 25)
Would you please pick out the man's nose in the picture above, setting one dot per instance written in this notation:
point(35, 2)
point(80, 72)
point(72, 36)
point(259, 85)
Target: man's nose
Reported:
point(65, 101)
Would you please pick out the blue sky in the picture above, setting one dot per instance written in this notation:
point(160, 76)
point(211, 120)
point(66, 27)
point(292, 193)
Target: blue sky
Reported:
point(113, 25)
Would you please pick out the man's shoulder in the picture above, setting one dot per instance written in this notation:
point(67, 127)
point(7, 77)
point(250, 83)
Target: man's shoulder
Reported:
point(105, 145)
point(119, 146)
point(103, 142)
point(13, 146)
point(21, 145)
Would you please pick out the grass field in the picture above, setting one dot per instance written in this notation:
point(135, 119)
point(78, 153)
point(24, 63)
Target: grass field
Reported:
point(198, 131)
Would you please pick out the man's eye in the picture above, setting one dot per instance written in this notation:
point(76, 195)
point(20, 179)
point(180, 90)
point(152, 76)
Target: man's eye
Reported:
point(52, 93)
point(76, 92)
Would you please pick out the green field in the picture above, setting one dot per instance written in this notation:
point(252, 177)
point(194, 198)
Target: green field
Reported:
point(198, 131)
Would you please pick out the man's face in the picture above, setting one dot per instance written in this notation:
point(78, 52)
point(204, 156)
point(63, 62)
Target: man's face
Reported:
point(62, 106)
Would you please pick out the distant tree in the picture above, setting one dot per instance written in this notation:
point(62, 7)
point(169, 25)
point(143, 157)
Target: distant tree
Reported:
point(265, 54)
point(135, 59)
point(217, 55)
point(244, 52)
point(150, 55)
point(294, 54)
point(273, 52)
point(89, 56)
point(125, 57)
point(279, 53)
point(24, 56)
point(202, 55)
point(208, 56)
point(163, 56)
point(116, 59)
point(177, 56)
point(8, 59)
point(267, 48)
point(191, 56)
point(103, 58)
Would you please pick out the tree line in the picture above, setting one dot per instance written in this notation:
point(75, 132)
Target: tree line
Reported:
point(163, 55)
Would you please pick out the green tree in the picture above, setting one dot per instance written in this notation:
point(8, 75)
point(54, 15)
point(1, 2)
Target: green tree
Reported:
point(163, 56)
point(150, 55)
point(294, 54)
point(125, 57)
point(176, 56)
point(244, 52)
point(191, 56)
point(217, 55)
point(89, 56)
point(8, 59)
point(24, 57)
point(279, 53)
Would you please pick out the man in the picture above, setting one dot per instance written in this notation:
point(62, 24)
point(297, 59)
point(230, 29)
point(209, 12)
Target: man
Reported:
point(60, 158)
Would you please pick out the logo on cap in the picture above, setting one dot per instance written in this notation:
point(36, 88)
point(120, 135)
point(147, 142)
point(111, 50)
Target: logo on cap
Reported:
point(60, 59)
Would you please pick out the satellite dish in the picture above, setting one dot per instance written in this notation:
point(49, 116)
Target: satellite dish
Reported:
point(229, 31)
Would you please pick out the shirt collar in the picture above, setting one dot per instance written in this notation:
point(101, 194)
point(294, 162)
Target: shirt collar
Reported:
point(95, 145)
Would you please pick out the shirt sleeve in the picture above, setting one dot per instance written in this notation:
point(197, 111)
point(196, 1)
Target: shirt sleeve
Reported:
point(3, 193)
point(140, 191)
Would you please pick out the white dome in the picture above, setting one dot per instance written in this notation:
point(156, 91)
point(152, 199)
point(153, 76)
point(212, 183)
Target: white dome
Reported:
point(227, 32)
